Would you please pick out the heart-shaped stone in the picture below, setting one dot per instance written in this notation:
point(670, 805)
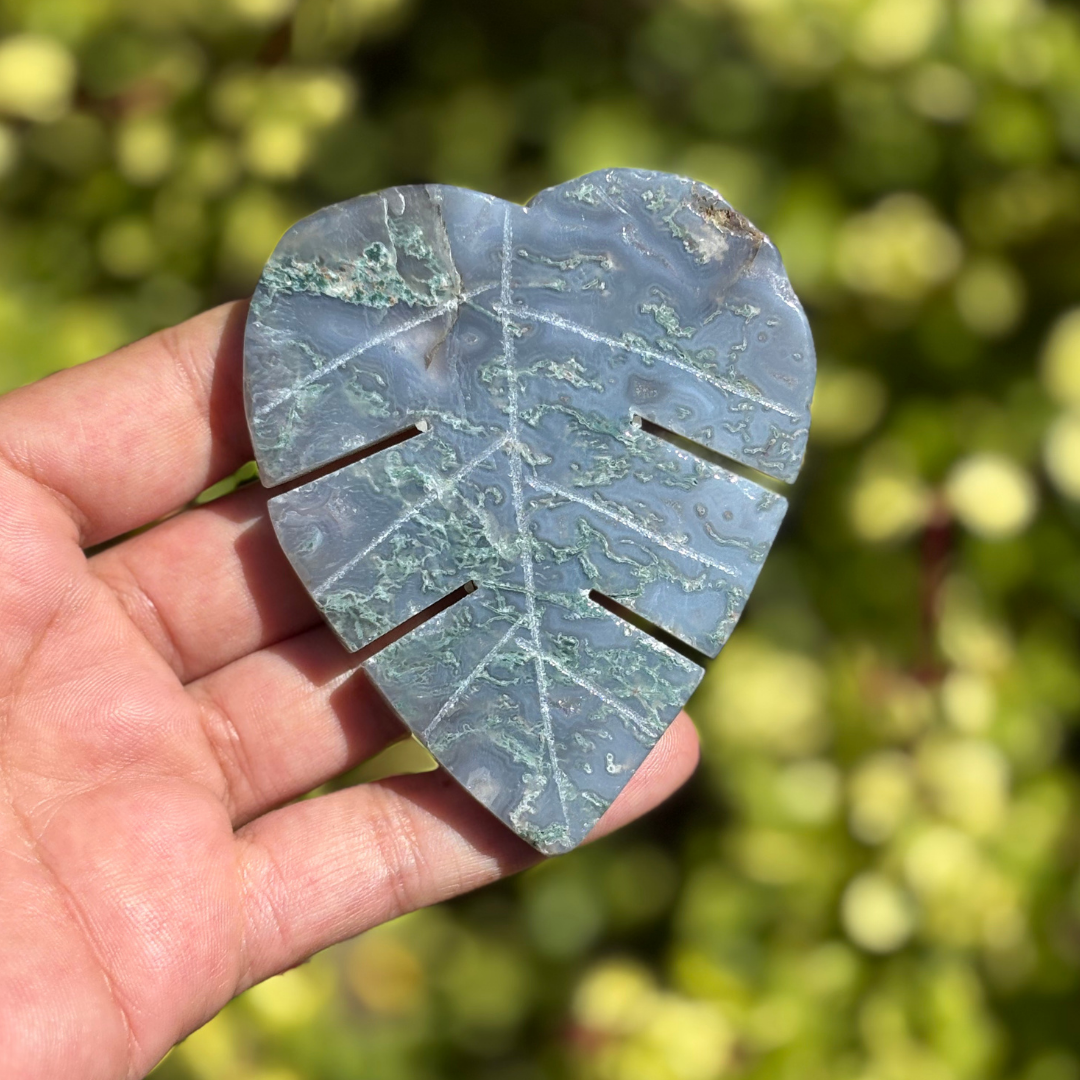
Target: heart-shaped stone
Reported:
point(545, 359)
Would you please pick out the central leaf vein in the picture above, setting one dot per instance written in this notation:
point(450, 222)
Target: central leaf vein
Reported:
point(561, 780)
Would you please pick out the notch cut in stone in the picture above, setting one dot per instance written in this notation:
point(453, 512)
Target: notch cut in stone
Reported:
point(356, 455)
point(661, 635)
point(415, 621)
point(739, 468)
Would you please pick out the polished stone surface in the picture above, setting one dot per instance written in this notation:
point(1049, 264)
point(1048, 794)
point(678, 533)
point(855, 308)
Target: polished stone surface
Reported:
point(528, 344)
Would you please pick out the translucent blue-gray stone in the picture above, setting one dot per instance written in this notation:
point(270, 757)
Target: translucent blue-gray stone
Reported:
point(528, 344)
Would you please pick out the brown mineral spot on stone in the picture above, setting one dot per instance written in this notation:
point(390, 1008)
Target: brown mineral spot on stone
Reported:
point(724, 217)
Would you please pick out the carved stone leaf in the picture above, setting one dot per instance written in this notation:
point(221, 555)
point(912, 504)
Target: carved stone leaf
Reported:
point(528, 344)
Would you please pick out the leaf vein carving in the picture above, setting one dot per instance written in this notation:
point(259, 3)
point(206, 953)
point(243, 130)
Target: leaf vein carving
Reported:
point(440, 489)
point(561, 780)
point(655, 354)
point(463, 686)
point(624, 519)
point(359, 350)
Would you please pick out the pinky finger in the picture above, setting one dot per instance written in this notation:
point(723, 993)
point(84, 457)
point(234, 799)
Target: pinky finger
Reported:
point(325, 869)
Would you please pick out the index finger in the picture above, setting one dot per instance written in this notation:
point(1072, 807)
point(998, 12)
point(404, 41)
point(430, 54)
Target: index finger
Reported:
point(131, 436)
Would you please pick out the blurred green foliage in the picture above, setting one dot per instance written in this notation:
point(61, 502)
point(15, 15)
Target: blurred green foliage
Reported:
point(876, 872)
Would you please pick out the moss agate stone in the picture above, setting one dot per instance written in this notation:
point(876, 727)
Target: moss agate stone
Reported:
point(539, 350)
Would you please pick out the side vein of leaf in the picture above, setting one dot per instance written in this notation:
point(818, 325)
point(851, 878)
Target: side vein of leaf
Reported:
point(439, 490)
point(637, 722)
point(630, 523)
point(655, 354)
point(469, 679)
point(358, 350)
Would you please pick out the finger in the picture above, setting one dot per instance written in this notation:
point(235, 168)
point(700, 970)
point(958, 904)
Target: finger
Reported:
point(322, 870)
point(210, 585)
point(286, 719)
point(124, 439)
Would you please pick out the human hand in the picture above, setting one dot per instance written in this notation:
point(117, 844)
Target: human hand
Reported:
point(160, 701)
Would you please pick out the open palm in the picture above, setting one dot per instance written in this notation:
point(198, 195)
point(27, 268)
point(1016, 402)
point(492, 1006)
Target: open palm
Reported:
point(160, 701)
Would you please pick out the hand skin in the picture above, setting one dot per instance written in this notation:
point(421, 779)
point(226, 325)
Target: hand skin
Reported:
point(161, 703)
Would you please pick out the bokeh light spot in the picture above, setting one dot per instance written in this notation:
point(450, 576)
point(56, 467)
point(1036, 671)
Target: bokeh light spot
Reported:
point(991, 495)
